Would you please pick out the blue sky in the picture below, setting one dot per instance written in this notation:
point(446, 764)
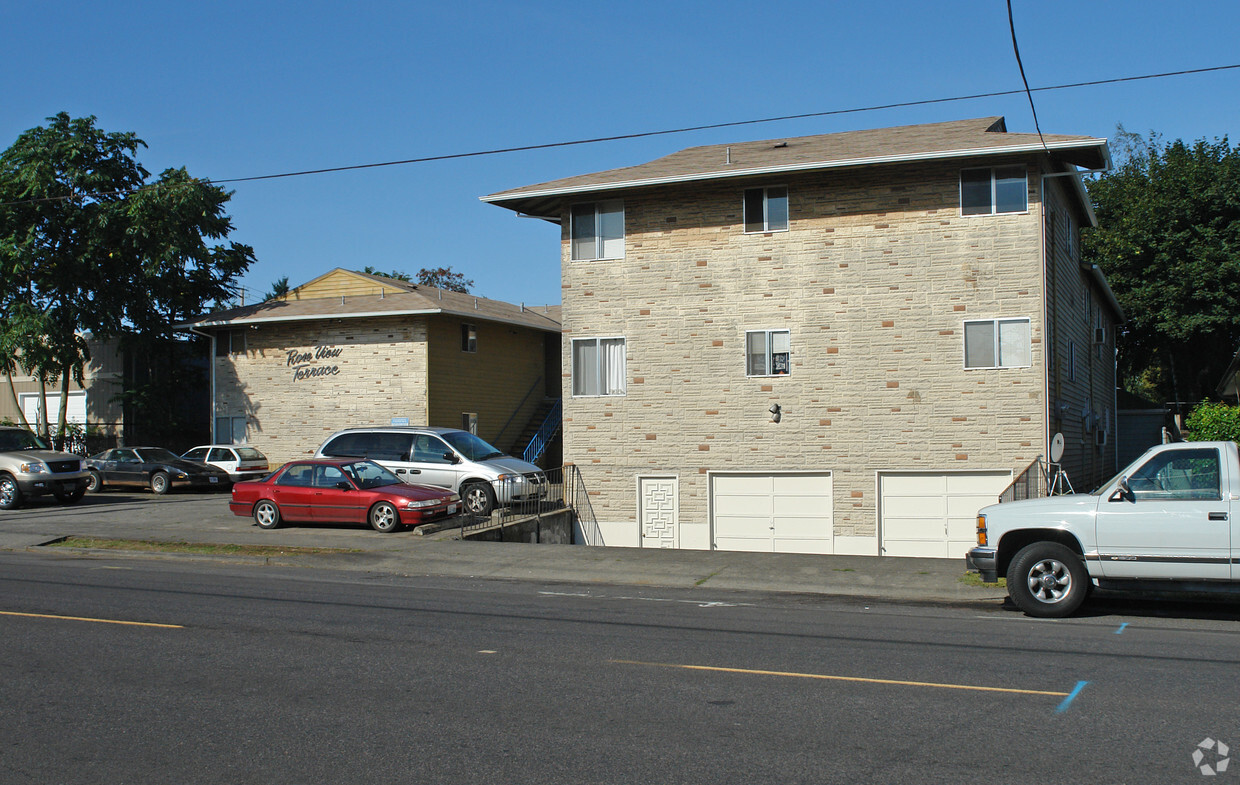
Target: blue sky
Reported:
point(236, 89)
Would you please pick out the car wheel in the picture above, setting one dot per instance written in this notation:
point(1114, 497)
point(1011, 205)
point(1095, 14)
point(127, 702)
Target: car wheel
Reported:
point(478, 498)
point(1047, 580)
point(159, 483)
point(94, 483)
point(384, 518)
point(10, 494)
point(72, 497)
point(266, 515)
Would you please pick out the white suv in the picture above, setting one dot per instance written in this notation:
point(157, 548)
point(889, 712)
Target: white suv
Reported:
point(29, 468)
point(448, 457)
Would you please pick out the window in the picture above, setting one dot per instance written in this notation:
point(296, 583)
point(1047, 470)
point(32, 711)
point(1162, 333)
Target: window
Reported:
point(428, 449)
point(598, 366)
point(997, 343)
point(1072, 361)
point(766, 209)
point(990, 191)
point(1184, 474)
point(597, 230)
point(196, 454)
point(469, 338)
point(299, 475)
point(229, 342)
point(469, 422)
point(767, 352)
point(229, 430)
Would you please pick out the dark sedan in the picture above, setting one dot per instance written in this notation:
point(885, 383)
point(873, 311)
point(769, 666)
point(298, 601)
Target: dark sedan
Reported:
point(150, 467)
point(343, 491)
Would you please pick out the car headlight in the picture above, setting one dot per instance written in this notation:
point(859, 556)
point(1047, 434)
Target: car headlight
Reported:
point(414, 505)
point(182, 476)
point(34, 467)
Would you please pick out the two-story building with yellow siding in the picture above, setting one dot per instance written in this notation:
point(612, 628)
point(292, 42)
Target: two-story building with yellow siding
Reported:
point(349, 349)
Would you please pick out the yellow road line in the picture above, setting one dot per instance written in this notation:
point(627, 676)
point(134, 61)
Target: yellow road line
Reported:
point(825, 677)
point(98, 621)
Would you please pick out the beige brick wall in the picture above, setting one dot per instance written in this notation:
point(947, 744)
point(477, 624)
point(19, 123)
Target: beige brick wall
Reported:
point(381, 374)
point(874, 280)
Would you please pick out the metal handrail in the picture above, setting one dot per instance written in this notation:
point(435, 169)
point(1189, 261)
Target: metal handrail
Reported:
point(579, 502)
point(1034, 475)
point(546, 431)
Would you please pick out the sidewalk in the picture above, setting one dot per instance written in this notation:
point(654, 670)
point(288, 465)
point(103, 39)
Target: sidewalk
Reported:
point(186, 519)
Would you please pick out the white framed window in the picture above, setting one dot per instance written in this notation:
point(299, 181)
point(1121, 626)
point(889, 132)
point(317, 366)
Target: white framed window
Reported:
point(597, 230)
point(997, 343)
point(768, 353)
point(469, 422)
point(599, 366)
point(766, 209)
point(469, 337)
point(993, 190)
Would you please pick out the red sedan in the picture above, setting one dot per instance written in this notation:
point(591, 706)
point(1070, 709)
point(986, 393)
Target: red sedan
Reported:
point(345, 491)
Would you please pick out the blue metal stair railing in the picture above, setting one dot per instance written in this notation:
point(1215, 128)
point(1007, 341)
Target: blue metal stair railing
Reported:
point(546, 432)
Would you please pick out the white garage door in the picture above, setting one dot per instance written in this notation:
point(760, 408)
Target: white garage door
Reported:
point(934, 514)
point(783, 513)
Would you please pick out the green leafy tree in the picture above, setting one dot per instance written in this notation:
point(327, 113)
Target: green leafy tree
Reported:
point(88, 241)
point(1210, 422)
point(445, 278)
point(1169, 242)
point(279, 288)
point(440, 277)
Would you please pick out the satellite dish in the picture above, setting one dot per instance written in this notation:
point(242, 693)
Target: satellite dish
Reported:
point(1056, 447)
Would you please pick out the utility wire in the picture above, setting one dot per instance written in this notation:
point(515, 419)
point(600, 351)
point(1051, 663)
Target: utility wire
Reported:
point(1021, 66)
point(646, 134)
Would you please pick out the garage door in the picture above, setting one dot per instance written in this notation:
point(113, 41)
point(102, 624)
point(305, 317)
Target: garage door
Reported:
point(934, 514)
point(782, 513)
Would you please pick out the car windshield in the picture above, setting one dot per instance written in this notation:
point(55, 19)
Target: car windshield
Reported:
point(249, 454)
point(473, 448)
point(156, 455)
point(370, 475)
point(18, 439)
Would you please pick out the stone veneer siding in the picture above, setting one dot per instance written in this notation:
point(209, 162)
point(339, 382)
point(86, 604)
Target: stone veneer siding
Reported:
point(874, 280)
point(382, 374)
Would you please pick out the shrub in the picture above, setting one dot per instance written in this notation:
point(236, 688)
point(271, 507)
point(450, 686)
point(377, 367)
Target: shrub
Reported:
point(1213, 422)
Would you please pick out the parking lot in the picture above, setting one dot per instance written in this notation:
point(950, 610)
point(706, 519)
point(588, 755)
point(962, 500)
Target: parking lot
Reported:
point(192, 516)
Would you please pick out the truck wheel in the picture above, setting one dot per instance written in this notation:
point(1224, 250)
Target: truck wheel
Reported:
point(10, 493)
point(1047, 580)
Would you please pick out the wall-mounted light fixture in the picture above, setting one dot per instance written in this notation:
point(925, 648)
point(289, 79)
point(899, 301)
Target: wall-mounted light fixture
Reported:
point(776, 412)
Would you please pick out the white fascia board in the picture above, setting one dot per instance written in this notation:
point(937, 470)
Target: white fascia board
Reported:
point(188, 327)
point(972, 152)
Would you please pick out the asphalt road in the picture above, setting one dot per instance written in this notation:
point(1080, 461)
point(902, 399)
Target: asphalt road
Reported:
point(294, 675)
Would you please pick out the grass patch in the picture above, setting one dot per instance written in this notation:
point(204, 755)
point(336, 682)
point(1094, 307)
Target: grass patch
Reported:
point(207, 548)
point(975, 579)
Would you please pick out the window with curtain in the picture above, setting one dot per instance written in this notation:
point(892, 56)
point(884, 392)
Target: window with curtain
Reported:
point(598, 366)
point(997, 343)
point(597, 230)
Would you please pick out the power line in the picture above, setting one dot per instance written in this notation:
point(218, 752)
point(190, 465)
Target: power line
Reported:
point(1021, 66)
point(666, 132)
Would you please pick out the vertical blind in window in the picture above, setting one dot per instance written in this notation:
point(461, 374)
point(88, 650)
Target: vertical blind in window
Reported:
point(598, 230)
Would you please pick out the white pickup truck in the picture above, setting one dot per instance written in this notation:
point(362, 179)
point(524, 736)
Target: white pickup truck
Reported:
point(1165, 522)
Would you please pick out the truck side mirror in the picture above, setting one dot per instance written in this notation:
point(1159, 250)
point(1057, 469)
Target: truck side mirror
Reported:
point(1122, 491)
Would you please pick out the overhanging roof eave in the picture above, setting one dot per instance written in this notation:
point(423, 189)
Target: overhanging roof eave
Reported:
point(514, 201)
